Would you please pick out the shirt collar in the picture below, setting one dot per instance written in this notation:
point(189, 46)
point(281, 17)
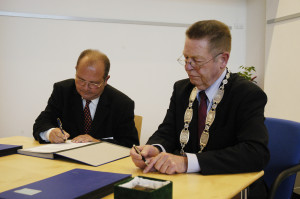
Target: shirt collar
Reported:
point(94, 101)
point(212, 90)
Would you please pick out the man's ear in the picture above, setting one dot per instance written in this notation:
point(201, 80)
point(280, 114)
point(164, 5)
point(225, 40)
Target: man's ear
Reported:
point(106, 79)
point(224, 57)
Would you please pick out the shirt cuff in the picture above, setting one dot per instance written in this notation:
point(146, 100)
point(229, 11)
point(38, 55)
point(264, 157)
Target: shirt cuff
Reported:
point(45, 135)
point(193, 164)
point(160, 146)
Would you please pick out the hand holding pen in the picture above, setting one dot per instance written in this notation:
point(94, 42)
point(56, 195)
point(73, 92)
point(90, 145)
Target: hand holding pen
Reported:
point(139, 152)
point(60, 127)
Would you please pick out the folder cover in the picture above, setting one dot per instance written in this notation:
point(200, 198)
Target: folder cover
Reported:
point(76, 183)
point(7, 149)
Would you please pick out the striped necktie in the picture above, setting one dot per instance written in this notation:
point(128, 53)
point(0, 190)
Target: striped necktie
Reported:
point(87, 117)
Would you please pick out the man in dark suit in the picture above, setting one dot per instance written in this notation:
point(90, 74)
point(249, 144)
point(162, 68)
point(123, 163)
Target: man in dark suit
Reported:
point(215, 120)
point(90, 110)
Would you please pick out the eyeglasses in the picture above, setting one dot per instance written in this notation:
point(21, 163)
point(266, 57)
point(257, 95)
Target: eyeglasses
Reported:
point(194, 64)
point(83, 82)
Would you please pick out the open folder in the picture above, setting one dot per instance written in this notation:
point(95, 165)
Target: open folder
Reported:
point(91, 153)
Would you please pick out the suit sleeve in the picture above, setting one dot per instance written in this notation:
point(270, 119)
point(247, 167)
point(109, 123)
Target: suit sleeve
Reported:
point(47, 118)
point(125, 132)
point(165, 135)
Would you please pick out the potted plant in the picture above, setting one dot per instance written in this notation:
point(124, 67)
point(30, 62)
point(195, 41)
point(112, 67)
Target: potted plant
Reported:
point(247, 73)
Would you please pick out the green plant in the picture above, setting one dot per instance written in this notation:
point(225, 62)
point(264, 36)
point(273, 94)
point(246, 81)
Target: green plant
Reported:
point(247, 73)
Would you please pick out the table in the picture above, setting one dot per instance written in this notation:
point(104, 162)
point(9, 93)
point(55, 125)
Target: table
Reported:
point(17, 170)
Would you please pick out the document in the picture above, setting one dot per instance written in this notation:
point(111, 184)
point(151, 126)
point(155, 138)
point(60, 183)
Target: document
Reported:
point(76, 183)
point(48, 150)
point(91, 153)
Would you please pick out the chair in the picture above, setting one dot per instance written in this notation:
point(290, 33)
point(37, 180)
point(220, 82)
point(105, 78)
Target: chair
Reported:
point(138, 124)
point(284, 146)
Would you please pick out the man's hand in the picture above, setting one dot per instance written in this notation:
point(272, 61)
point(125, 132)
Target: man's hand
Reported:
point(56, 136)
point(84, 138)
point(167, 163)
point(147, 151)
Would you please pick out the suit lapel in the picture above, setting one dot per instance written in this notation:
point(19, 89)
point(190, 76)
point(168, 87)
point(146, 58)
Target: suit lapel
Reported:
point(77, 110)
point(101, 113)
point(221, 108)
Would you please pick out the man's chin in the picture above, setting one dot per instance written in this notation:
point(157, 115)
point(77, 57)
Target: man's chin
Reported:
point(87, 97)
point(192, 80)
point(199, 85)
point(90, 97)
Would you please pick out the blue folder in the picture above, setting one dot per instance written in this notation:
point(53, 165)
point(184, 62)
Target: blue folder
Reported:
point(76, 183)
point(7, 149)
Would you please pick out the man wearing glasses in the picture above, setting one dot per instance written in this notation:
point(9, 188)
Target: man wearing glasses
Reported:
point(89, 109)
point(215, 120)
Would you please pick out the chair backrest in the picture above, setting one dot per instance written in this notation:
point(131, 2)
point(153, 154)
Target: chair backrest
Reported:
point(138, 124)
point(284, 146)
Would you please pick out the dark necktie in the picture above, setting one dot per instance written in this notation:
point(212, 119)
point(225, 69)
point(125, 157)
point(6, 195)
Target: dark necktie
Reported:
point(87, 117)
point(202, 109)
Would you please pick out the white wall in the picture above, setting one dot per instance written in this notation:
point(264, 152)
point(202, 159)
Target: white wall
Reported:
point(35, 53)
point(282, 64)
point(255, 38)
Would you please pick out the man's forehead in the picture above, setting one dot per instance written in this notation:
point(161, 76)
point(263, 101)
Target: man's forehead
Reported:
point(196, 47)
point(88, 63)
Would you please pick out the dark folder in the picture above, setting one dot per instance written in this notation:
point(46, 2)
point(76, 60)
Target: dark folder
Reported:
point(7, 149)
point(76, 183)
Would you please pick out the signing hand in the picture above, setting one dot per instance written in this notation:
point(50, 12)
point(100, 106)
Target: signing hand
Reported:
point(147, 151)
point(56, 136)
point(84, 138)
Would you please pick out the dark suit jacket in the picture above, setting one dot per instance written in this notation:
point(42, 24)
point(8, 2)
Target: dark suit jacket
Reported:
point(114, 116)
point(237, 138)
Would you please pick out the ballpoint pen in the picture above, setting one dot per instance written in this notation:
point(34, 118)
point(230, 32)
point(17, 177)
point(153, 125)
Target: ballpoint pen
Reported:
point(60, 127)
point(138, 151)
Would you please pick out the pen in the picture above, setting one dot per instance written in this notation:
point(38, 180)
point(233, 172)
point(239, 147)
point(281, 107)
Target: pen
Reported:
point(138, 151)
point(60, 127)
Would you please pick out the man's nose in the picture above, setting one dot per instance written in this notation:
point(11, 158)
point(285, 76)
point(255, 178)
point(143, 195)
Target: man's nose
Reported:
point(188, 65)
point(86, 86)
